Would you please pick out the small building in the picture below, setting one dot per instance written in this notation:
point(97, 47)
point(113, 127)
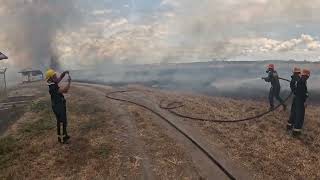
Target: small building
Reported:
point(31, 75)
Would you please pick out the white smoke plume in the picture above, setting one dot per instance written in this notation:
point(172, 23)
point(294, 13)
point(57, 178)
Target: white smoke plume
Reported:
point(29, 30)
point(189, 30)
point(182, 30)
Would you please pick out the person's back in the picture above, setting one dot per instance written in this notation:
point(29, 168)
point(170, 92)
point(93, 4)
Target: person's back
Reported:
point(293, 86)
point(301, 96)
point(273, 78)
point(302, 90)
point(294, 81)
point(58, 102)
point(56, 96)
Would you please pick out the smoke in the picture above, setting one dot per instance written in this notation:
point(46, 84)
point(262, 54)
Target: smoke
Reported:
point(176, 31)
point(212, 26)
point(30, 27)
point(188, 30)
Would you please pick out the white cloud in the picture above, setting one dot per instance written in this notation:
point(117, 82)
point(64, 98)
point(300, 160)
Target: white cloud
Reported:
point(101, 12)
point(255, 46)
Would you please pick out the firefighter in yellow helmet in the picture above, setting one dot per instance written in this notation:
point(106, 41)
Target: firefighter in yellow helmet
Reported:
point(58, 101)
point(300, 102)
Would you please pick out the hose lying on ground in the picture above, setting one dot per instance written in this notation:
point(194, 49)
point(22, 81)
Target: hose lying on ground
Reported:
point(175, 105)
point(215, 161)
point(172, 106)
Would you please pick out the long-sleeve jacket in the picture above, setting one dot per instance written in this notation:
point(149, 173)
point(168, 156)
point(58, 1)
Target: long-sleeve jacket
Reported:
point(293, 83)
point(302, 90)
point(273, 78)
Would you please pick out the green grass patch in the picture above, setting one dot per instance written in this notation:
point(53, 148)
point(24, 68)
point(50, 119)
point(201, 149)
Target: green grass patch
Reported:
point(9, 151)
point(39, 127)
point(40, 106)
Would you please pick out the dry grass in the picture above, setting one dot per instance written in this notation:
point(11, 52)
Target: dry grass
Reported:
point(168, 158)
point(30, 149)
point(99, 146)
point(262, 146)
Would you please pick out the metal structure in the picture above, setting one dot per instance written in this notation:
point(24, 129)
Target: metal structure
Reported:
point(29, 75)
point(3, 72)
point(3, 78)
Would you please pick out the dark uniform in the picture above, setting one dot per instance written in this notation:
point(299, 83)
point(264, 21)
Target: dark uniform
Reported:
point(59, 108)
point(273, 78)
point(293, 86)
point(301, 97)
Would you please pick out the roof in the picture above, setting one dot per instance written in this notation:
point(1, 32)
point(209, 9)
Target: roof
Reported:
point(2, 56)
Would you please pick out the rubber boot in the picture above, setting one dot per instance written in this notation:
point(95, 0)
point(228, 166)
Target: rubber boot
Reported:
point(296, 133)
point(60, 139)
point(66, 139)
point(284, 107)
point(271, 108)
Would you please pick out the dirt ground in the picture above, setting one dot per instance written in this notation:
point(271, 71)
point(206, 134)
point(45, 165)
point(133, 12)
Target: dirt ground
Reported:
point(109, 141)
point(112, 140)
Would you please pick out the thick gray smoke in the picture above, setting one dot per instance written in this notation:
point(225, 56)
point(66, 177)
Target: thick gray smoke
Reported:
point(30, 27)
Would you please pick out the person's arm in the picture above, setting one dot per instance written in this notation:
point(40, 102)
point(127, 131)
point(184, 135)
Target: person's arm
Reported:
point(268, 79)
point(62, 76)
point(306, 93)
point(293, 84)
point(65, 89)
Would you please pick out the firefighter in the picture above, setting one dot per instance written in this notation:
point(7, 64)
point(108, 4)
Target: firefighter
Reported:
point(58, 101)
point(300, 102)
point(293, 86)
point(273, 78)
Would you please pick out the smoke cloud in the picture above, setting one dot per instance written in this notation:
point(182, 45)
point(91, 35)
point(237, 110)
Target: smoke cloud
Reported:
point(30, 27)
point(174, 31)
point(187, 30)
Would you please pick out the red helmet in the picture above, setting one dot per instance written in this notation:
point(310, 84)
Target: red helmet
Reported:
point(296, 70)
point(271, 66)
point(306, 72)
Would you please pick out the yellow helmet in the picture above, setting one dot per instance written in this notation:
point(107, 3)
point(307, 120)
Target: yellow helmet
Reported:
point(49, 74)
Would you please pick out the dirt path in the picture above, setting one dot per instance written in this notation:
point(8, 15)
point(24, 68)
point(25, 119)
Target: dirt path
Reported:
point(160, 155)
point(109, 140)
point(205, 166)
point(134, 145)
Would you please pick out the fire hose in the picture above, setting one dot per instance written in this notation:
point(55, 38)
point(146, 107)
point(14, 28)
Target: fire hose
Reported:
point(212, 158)
point(172, 106)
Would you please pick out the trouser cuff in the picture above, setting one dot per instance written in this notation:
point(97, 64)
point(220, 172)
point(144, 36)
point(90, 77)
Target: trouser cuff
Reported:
point(297, 130)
